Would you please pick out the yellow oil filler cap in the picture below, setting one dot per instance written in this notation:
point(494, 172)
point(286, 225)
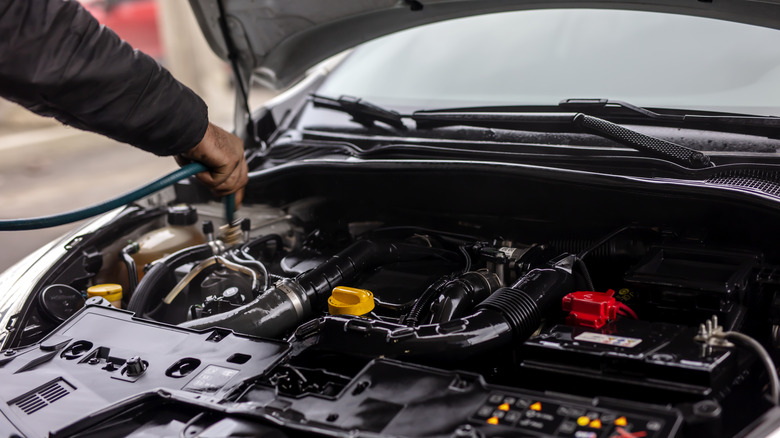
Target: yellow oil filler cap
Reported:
point(350, 301)
point(110, 291)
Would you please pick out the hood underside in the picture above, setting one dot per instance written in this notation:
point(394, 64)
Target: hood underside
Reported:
point(279, 40)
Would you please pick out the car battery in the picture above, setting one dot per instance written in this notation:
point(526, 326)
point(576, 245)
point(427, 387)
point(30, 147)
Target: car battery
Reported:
point(660, 361)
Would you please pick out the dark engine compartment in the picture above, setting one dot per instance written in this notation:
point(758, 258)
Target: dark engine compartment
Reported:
point(534, 306)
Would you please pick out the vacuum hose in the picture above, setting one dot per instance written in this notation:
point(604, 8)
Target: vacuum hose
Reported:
point(34, 223)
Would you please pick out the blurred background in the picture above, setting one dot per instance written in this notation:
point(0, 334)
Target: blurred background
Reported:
point(48, 168)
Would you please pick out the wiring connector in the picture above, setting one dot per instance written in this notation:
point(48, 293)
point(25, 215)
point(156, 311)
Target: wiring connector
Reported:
point(711, 333)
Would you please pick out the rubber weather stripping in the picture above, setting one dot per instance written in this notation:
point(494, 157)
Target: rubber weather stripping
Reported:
point(35, 223)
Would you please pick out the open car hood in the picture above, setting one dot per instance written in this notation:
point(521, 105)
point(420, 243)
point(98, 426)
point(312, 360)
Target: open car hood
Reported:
point(279, 40)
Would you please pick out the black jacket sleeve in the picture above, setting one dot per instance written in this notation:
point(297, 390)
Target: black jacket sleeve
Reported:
point(56, 60)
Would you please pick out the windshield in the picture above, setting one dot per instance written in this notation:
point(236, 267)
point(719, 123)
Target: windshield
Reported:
point(541, 57)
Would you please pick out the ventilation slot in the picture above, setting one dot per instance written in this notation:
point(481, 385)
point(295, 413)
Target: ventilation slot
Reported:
point(764, 181)
point(45, 396)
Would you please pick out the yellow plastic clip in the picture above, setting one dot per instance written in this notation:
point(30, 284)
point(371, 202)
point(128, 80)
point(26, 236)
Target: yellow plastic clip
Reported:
point(350, 301)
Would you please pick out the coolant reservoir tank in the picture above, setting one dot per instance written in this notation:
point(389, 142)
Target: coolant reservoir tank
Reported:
point(181, 232)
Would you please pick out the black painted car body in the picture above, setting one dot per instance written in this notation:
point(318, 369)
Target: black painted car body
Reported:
point(448, 252)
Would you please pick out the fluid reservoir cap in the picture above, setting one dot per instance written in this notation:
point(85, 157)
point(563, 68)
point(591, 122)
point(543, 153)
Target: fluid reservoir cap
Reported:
point(350, 301)
point(110, 291)
point(182, 215)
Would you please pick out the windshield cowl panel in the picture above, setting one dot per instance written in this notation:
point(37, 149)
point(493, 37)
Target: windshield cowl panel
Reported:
point(703, 140)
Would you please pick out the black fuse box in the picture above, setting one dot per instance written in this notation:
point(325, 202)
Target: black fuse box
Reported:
point(687, 283)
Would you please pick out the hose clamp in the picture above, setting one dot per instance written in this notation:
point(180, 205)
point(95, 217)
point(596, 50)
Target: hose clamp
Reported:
point(286, 286)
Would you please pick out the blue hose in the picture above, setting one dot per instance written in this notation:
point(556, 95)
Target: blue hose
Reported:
point(230, 207)
point(34, 223)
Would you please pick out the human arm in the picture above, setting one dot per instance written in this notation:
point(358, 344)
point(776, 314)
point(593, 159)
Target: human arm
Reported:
point(56, 60)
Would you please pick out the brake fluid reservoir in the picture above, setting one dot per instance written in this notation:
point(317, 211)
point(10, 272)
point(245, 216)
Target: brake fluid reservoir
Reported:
point(181, 232)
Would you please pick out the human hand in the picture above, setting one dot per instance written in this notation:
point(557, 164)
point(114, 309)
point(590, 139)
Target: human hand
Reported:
point(223, 154)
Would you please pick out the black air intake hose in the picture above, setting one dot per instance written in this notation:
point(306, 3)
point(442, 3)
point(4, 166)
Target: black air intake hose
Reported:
point(522, 304)
point(507, 317)
point(147, 295)
point(459, 295)
point(291, 302)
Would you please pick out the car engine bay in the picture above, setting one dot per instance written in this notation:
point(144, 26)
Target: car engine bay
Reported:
point(584, 312)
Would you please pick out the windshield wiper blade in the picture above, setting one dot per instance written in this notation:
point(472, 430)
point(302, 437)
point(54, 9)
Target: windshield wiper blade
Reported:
point(365, 113)
point(588, 105)
point(650, 146)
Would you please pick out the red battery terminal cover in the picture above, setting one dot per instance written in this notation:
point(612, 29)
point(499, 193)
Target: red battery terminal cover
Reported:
point(591, 309)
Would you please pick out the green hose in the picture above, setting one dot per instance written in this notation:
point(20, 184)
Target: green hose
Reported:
point(34, 223)
point(230, 208)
